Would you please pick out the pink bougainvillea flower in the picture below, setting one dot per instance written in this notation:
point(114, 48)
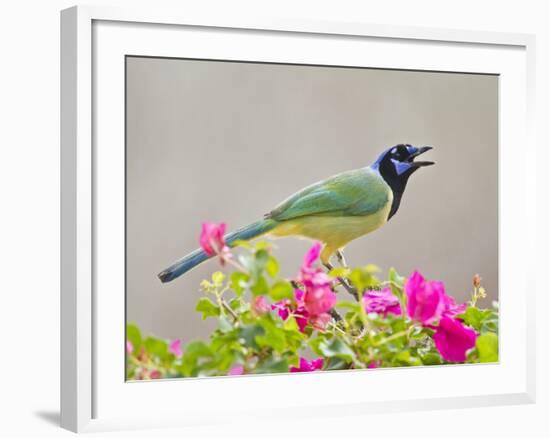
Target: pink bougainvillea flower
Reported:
point(299, 297)
point(283, 308)
point(318, 296)
point(312, 312)
point(453, 339)
point(381, 301)
point(237, 370)
point(129, 347)
point(311, 276)
point(260, 305)
point(301, 315)
point(306, 366)
point(212, 240)
point(321, 321)
point(302, 318)
point(451, 308)
point(175, 348)
point(425, 299)
point(373, 364)
point(311, 305)
point(154, 374)
point(319, 300)
point(312, 255)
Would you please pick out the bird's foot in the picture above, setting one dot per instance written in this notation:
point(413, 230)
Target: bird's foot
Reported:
point(341, 258)
point(335, 315)
point(345, 283)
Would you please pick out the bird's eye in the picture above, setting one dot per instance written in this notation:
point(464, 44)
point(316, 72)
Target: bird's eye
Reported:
point(399, 153)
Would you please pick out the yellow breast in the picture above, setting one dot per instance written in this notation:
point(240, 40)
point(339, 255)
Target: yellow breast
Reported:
point(334, 231)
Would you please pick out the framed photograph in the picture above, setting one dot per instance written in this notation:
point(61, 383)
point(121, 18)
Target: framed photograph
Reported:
point(254, 209)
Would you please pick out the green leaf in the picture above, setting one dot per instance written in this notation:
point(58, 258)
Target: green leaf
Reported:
point(398, 325)
point(340, 271)
point(224, 324)
point(262, 256)
point(396, 283)
point(272, 266)
point(364, 278)
point(273, 339)
point(207, 308)
point(273, 336)
point(472, 317)
point(481, 320)
point(418, 334)
point(262, 245)
point(431, 359)
point(195, 353)
point(395, 278)
point(236, 304)
point(260, 287)
point(406, 358)
point(337, 348)
point(247, 260)
point(134, 336)
point(156, 347)
point(291, 324)
point(281, 290)
point(242, 244)
point(239, 281)
point(272, 365)
point(335, 363)
point(487, 345)
point(354, 307)
point(247, 335)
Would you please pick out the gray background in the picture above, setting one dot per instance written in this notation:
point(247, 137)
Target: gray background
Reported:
point(221, 141)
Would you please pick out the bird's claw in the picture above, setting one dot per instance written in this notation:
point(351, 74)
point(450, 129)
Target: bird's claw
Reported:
point(345, 284)
point(341, 259)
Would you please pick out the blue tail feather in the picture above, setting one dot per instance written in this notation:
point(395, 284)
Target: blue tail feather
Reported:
point(198, 256)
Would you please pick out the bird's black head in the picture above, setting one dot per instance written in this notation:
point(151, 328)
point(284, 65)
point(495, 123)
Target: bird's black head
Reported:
point(396, 165)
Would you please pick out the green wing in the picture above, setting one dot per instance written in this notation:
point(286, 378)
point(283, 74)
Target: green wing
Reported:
point(358, 192)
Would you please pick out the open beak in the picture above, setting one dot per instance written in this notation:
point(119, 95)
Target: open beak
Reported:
point(416, 154)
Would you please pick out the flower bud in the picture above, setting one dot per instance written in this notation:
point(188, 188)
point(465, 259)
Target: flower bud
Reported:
point(477, 281)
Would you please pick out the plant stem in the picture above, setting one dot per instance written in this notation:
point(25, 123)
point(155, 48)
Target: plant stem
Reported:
point(343, 282)
point(394, 336)
point(229, 309)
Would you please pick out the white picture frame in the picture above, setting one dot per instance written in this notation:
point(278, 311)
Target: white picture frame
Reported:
point(94, 40)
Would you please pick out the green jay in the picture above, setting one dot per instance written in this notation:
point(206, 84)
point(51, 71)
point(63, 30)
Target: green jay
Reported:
point(334, 211)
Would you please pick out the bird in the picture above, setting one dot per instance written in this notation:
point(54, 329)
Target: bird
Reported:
point(334, 211)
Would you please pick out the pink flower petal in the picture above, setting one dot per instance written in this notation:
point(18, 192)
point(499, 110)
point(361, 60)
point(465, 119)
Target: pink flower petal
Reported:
point(301, 316)
point(236, 371)
point(282, 308)
point(260, 305)
point(425, 299)
point(381, 301)
point(321, 321)
point(299, 297)
point(316, 364)
point(312, 255)
point(129, 347)
point(175, 348)
point(307, 366)
point(453, 339)
point(155, 374)
point(212, 238)
point(451, 308)
point(319, 300)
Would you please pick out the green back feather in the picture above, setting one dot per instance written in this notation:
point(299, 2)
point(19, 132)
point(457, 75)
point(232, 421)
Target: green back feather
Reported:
point(358, 192)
